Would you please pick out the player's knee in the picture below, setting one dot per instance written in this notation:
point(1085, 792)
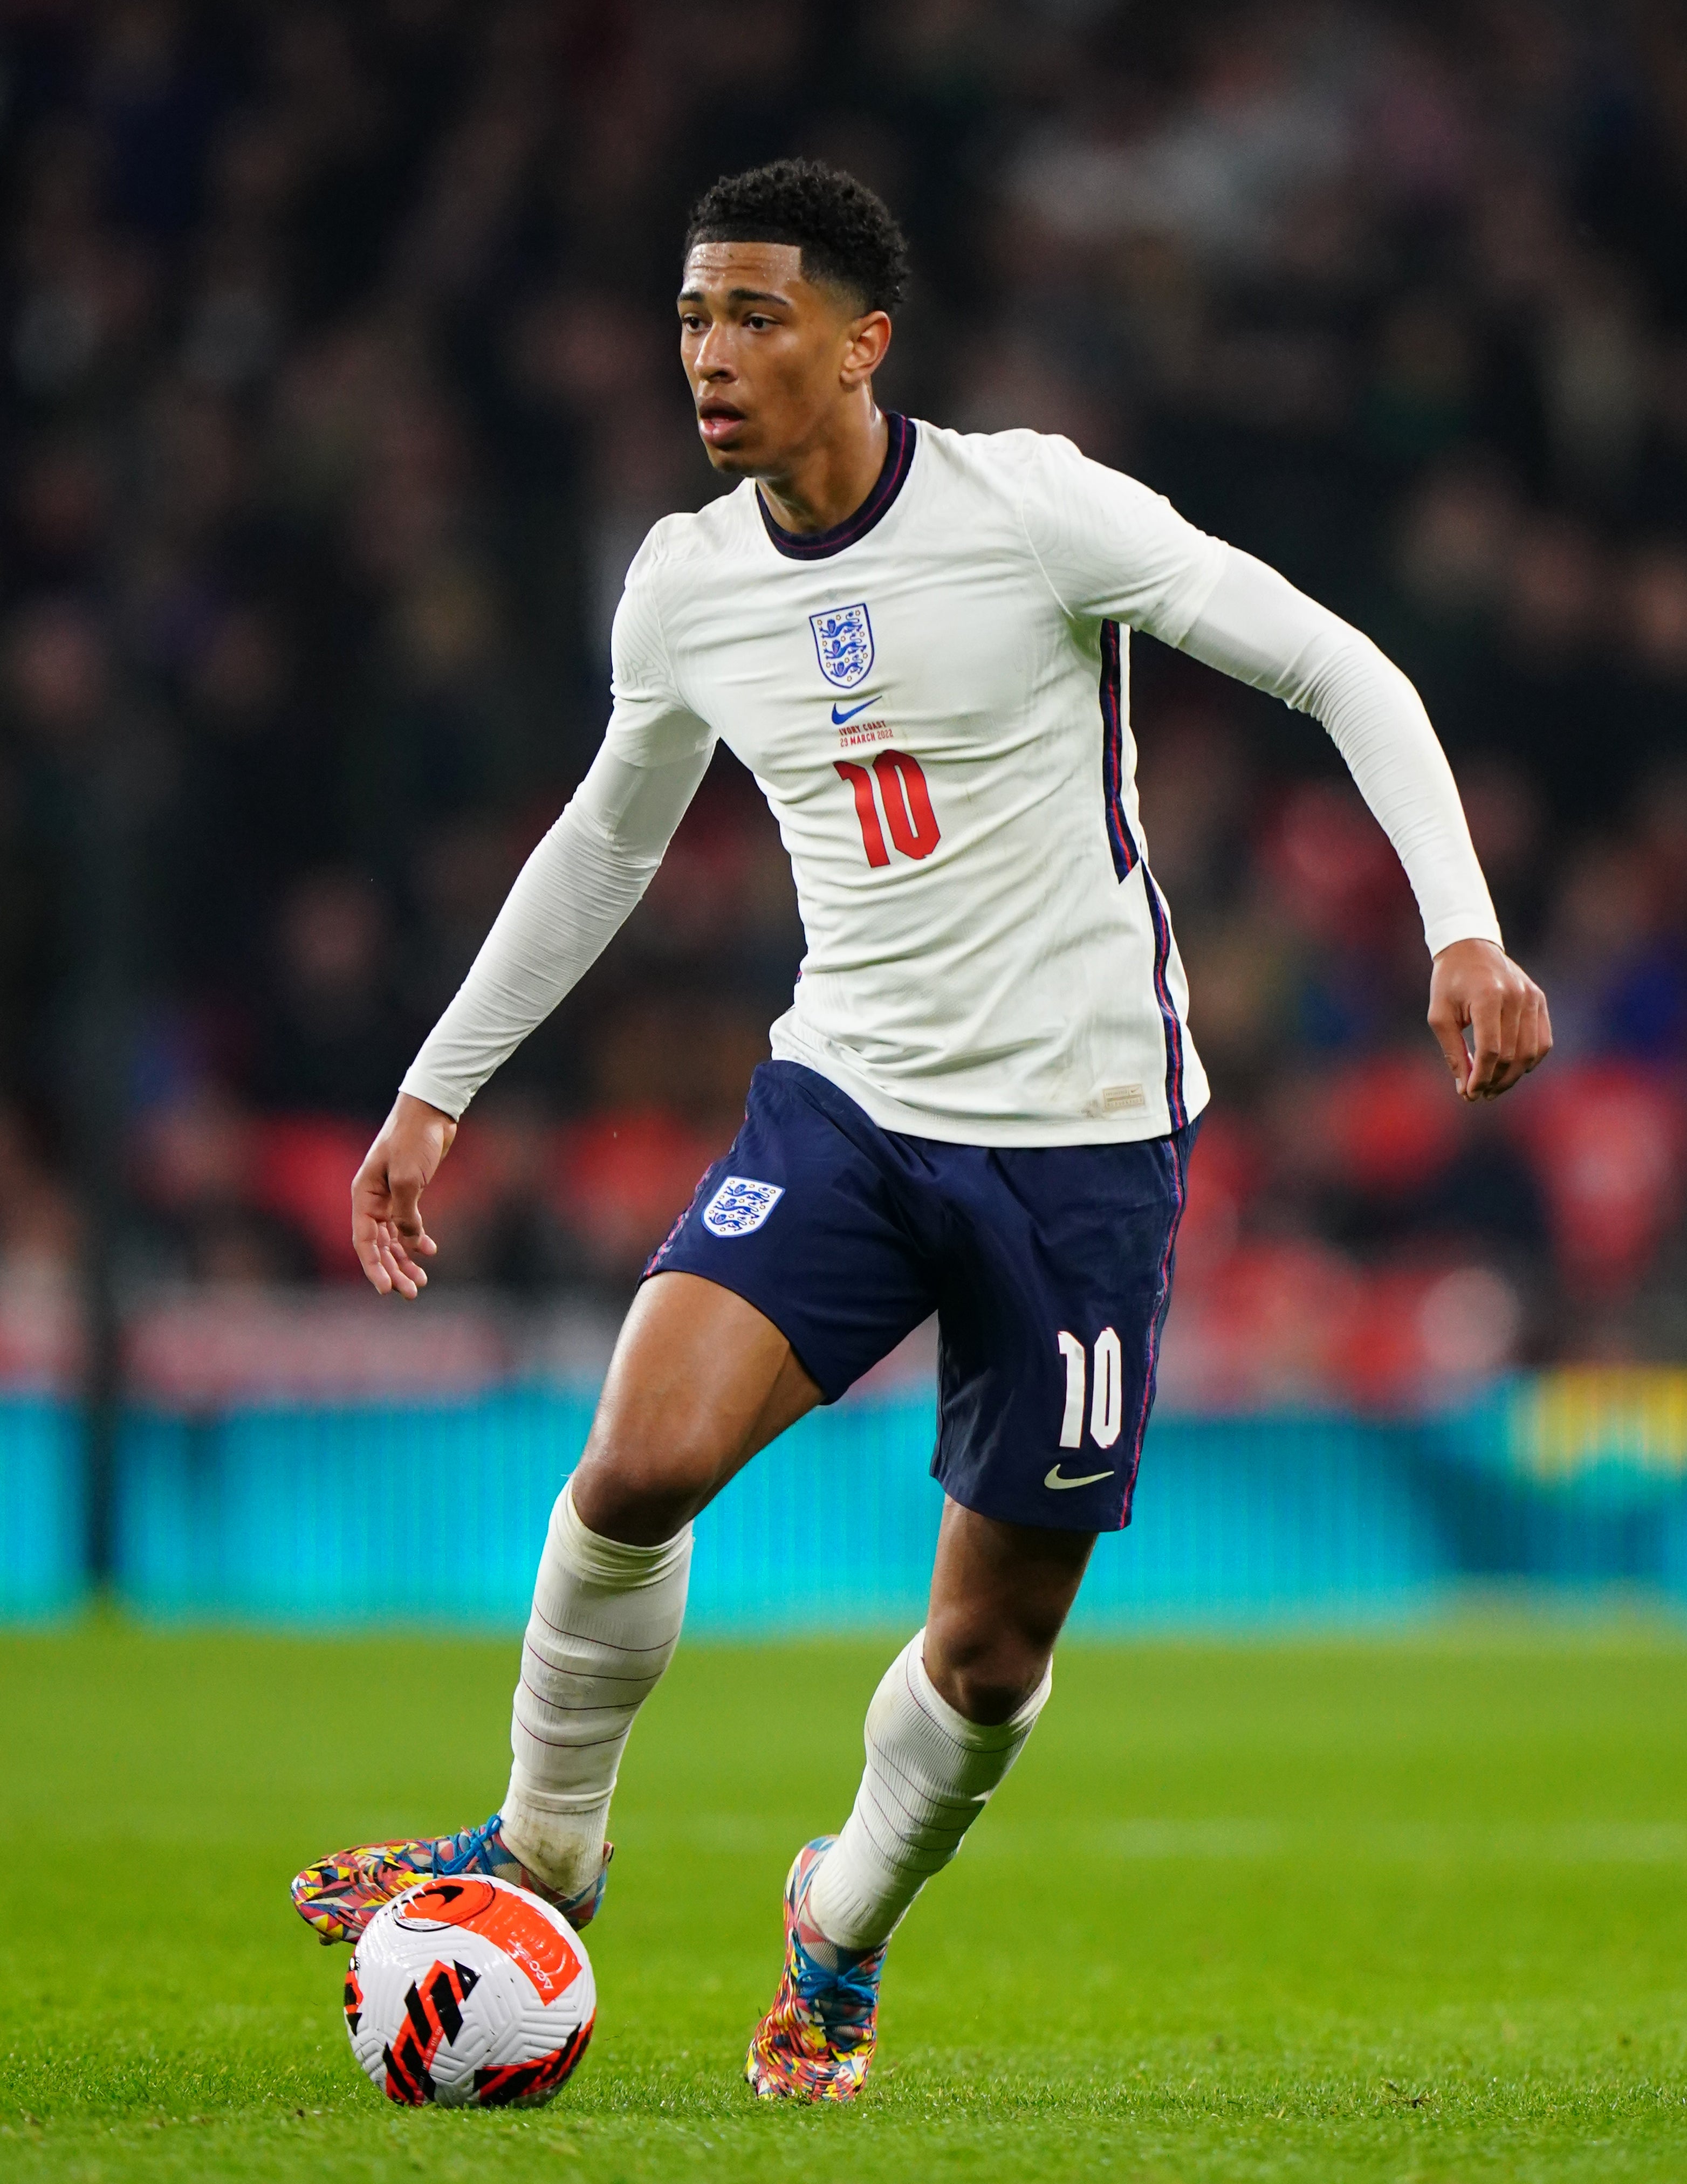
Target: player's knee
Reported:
point(639, 1512)
point(990, 1700)
point(644, 1487)
point(985, 1676)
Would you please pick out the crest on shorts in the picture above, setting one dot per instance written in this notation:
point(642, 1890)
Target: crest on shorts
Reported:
point(843, 638)
point(740, 1205)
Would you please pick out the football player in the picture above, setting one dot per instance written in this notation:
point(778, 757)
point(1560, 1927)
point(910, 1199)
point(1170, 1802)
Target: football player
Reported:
point(983, 1099)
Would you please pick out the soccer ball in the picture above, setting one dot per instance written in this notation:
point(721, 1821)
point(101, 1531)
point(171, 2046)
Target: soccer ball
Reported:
point(468, 1992)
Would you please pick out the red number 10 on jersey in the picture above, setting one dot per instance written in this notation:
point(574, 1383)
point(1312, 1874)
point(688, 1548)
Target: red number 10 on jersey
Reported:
point(907, 806)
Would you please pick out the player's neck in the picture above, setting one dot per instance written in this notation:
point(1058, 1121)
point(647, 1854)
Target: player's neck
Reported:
point(821, 484)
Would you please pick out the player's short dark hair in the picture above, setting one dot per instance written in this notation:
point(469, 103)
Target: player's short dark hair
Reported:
point(845, 232)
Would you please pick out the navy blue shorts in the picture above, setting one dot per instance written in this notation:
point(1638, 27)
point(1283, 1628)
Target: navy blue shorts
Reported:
point(1049, 1269)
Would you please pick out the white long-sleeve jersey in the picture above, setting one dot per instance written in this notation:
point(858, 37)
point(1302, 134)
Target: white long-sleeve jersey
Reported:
point(932, 698)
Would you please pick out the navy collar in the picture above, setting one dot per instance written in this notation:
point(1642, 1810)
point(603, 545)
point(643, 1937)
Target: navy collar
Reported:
point(816, 545)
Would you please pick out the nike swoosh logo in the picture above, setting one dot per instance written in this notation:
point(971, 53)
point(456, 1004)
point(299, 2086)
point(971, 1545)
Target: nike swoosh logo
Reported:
point(838, 719)
point(1053, 1477)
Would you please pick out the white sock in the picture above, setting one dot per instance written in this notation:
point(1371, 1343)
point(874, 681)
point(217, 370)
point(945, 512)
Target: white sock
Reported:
point(606, 1618)
point(930, 1773)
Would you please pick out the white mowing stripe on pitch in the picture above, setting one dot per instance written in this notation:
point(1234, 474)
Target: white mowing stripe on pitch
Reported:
point(1566, 1842)
point(1571, 1843)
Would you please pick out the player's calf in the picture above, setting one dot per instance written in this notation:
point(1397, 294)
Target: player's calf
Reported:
point(930, 1773)
point(605, 1621)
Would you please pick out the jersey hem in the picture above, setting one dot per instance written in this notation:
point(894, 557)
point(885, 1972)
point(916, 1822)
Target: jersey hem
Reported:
point(891, 1113)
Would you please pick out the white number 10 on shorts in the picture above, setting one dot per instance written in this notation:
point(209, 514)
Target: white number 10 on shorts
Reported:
point(1106, 1408)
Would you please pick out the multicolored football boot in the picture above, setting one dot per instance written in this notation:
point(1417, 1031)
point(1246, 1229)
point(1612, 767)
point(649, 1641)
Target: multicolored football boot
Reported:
point(338, 1895)
point(817, 2042)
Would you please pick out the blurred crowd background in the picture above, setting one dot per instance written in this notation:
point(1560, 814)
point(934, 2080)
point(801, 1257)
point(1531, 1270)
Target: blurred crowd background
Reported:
point(341, 387)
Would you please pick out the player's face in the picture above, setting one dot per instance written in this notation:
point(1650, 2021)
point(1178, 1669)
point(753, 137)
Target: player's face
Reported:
point(769, 355)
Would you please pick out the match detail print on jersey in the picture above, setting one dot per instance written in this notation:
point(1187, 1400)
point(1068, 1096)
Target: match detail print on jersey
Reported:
point(908, 811)
point(740, 1205)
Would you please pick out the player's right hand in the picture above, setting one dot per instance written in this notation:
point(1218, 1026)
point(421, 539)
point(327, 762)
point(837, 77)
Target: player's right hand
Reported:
point(386, 1225)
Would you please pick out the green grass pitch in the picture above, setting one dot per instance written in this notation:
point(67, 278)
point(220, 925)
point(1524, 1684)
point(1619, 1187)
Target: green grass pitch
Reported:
point(1402, 1909)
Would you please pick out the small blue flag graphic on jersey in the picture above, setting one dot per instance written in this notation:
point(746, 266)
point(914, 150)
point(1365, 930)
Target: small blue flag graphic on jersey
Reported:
point(843, 638)
point(740, 1205)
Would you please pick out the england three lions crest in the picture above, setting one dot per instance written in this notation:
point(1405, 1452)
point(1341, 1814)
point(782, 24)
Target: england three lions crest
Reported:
point(740, 1205)
point(843, 638)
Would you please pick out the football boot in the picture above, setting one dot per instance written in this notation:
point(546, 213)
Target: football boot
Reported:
point(817, 2042)
point(338, 1895)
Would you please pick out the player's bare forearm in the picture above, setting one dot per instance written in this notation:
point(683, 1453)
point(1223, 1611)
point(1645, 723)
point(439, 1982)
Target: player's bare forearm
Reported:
point(386, 1223)
point(1475, 985)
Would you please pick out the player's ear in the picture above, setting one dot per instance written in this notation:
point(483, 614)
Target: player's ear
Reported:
point(865, 342)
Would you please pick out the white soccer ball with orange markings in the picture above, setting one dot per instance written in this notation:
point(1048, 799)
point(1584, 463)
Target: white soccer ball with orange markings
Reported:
point(470, 1991)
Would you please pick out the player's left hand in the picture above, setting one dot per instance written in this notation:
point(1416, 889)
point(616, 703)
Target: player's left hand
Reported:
point(1475, 983)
